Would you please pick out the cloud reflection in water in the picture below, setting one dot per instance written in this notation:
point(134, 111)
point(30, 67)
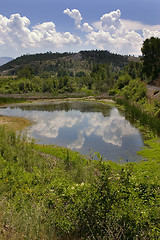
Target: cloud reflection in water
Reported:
point(83, 130)
point(111, 129)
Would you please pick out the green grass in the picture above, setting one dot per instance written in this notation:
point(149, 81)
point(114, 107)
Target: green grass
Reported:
point(145, 120)
point(152, 152)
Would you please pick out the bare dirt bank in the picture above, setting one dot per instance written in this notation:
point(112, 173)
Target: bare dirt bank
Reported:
point(16, 123)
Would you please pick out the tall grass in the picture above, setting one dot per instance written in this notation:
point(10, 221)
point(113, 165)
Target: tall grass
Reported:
point(136, 114)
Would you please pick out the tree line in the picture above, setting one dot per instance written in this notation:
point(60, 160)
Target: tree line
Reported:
point(65, 75)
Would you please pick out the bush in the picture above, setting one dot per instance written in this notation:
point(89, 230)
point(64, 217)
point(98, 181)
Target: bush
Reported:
point(123, 81)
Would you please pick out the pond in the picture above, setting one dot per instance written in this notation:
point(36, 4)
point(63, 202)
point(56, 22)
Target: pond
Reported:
point(86, 127)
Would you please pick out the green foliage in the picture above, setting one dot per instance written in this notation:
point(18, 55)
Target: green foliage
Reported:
point(31, 58)
point(103, 56)
point(123, 81)
point(153, 151)
point(102, 77)
point(71, 63)
point(48, 192)
point(26, 72)
point(134, 113)
point(151, 56)
point(7, 100)
point(67, 72)
point(112, 92)
point(131, 89)
point(135, 90)
point(134, 69)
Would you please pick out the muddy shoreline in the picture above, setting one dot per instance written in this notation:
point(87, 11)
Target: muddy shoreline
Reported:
point(15, 123)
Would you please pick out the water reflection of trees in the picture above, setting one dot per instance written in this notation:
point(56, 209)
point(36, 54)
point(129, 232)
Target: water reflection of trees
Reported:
point(81, 106)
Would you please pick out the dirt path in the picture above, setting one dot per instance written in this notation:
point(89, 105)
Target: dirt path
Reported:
point(153, 92)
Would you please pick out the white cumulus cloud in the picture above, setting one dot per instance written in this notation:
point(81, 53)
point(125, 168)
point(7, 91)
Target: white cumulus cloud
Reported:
point(111, 19)
point(110, 32)
point(135, 25)
point(118, 35)
point(45, 34)
point(75, 14)
point(87, 28)
point(15, 32)
point(147, 33)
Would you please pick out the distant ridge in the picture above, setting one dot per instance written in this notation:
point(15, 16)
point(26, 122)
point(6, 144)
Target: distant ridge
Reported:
point(75, 62)
point(4, 60)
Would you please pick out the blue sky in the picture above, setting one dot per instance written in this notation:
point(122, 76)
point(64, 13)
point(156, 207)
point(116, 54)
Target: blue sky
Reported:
point(121, 26)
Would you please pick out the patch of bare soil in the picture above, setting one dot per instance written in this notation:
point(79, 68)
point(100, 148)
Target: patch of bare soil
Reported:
point(15, 123)
point(153, 92)
point(156, 82)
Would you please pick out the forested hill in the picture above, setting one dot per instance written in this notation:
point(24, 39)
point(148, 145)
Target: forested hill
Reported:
point(105, 57)
point(52, 62)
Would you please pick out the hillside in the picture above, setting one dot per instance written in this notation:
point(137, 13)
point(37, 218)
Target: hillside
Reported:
point(73, 62)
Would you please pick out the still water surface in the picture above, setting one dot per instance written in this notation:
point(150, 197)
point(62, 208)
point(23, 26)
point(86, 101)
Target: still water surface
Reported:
point(82, 126)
